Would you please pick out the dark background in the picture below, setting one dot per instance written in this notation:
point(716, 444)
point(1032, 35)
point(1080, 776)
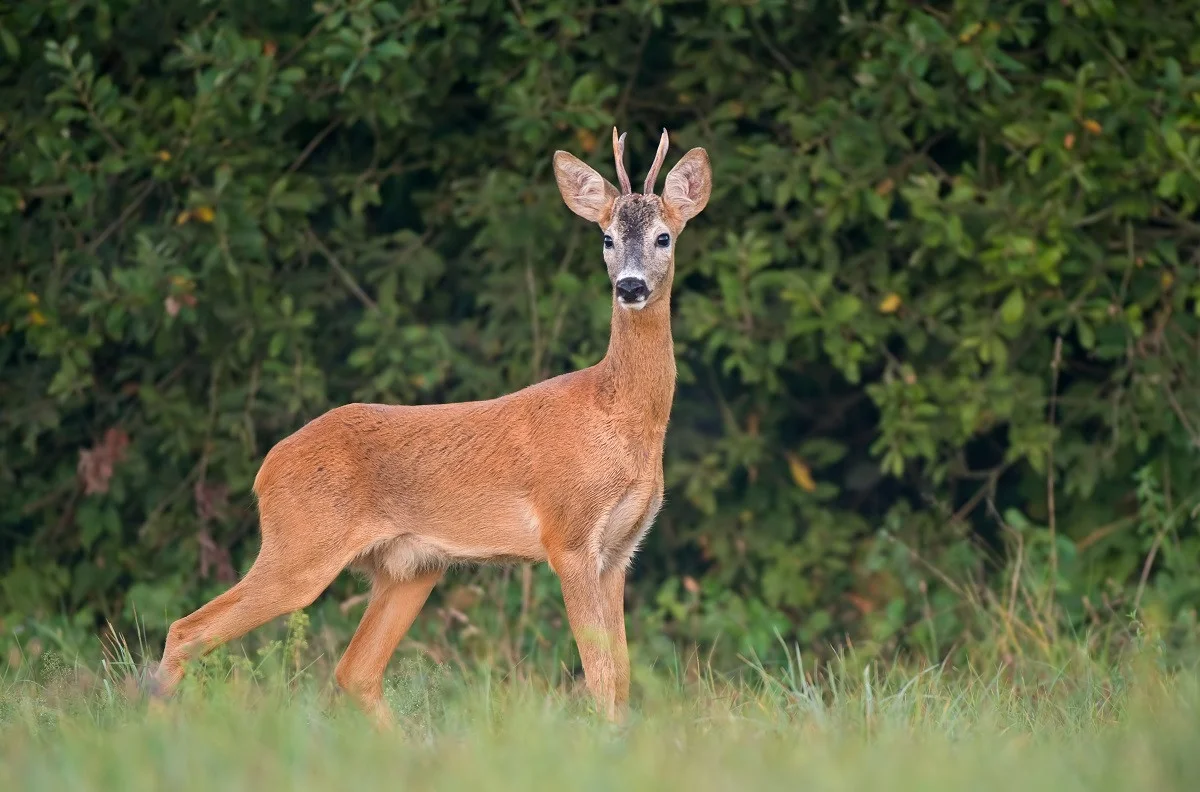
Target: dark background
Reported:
point(937, 330)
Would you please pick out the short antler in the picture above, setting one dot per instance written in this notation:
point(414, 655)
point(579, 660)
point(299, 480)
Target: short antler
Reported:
point(659, 156)
point(619, 154)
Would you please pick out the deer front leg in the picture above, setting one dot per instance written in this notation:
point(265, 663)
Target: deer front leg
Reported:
point(588, 611)
point(612, 583)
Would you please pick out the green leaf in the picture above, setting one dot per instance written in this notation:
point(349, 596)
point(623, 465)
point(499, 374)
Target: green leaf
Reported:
point(1174, 141)
point(845, 308)
point(1168, 185)
point(11, 46)
point(1013, 307)
point(1087, 336)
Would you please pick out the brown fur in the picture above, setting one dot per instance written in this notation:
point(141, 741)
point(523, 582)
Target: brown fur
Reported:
point(567, 471)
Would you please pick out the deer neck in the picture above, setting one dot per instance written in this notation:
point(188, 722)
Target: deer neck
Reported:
point(639, 367)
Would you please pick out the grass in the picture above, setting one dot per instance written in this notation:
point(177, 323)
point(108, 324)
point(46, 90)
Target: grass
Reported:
point(273, 722)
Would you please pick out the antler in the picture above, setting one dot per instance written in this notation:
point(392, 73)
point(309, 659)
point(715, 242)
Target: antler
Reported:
point(619, 154)
point(659, 156)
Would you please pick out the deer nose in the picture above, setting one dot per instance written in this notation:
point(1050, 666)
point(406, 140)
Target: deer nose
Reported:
point(632, 290)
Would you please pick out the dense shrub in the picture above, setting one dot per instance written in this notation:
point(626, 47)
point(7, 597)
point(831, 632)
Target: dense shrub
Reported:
point(941, 313)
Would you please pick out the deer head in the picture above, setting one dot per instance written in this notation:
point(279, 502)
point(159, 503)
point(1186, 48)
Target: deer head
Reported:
point(640, 229)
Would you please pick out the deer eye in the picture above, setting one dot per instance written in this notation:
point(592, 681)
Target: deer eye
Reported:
point(664, 240)
point(608, 243)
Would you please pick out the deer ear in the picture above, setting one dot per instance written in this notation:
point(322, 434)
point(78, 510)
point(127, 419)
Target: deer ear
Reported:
point(586, 193)
point(689, 184)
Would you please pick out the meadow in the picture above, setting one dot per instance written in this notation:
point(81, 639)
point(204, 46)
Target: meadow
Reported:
point(271, 719)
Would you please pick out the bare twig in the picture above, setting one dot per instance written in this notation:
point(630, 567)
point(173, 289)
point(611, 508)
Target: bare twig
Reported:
point(163, 504)
point(122, 219)
point(535, 325)
point(1037, 612)
point(1016, 576)
point(312, 145)
point(1102, 532)
point(101, 127)
point(345, 275)
point(294, 51)
point(526, 597)
point(989, 486)
point(937, 572)
point(348, 604)
point(771, 49)
point(1158, 538)
point(49, 191)
point(1055, 365)
point(627, 91)
point(1182, 416)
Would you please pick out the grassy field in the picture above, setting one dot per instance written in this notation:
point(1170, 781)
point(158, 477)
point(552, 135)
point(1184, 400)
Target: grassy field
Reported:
point(274, 722)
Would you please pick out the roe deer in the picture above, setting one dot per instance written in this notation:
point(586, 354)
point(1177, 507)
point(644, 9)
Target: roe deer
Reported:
point(567, 471)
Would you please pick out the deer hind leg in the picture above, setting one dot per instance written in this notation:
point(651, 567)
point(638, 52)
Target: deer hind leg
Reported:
point(393, 607)
point(279, 582)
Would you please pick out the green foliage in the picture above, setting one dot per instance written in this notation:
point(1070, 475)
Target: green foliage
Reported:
point(943, 306)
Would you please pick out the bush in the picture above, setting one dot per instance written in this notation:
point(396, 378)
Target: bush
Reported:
point(940, 321)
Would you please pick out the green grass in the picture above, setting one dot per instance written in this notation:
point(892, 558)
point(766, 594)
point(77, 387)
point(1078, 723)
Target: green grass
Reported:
point(274, 722)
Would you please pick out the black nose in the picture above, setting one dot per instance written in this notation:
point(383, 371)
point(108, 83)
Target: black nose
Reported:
point(632, 289)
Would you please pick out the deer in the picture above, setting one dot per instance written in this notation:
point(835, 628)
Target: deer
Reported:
point(567, 471)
